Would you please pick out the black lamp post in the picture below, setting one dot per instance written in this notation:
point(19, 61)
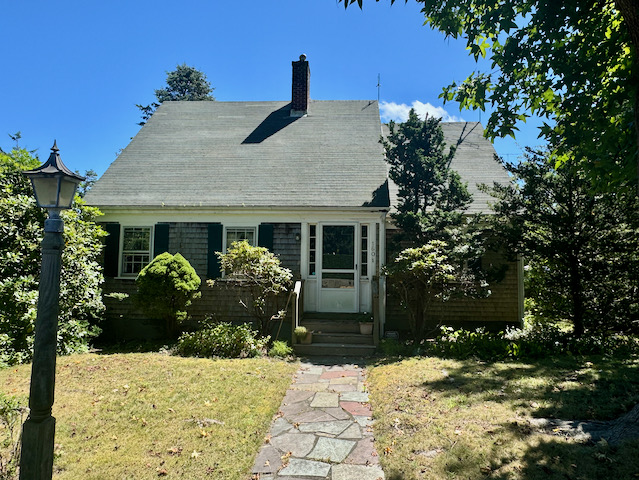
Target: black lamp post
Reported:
point(54, 186)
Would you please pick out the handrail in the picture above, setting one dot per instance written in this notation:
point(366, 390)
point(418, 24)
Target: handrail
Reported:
point(295, 313)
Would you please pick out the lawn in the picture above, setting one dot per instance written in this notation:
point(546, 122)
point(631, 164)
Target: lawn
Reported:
point(150, 415)
point(445, 419)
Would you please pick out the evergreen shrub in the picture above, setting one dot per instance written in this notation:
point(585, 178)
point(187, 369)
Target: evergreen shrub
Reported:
point(222, 340)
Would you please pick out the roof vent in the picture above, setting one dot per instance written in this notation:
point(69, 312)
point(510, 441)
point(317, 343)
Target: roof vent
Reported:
point(301, 87)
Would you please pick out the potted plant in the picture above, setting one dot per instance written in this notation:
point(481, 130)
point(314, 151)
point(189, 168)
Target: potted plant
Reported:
point(303, 335)
point(366, 324)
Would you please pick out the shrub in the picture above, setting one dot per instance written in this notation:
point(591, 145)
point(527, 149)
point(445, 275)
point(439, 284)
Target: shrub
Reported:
point(166, 287)
point(466, 343)
point(280, 349)
point(262, 277)
point(222, 340)
point(536, 340)
point(21, 231)
point(300, 332)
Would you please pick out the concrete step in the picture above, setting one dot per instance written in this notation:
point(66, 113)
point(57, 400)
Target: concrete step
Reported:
point(342, 338)
point(339, 349)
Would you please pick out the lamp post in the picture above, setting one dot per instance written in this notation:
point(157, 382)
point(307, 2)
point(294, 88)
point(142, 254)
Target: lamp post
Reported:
point(54, 186)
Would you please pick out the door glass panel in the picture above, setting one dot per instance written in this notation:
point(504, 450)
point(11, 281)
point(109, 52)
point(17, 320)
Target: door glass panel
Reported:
point(338, 247)
point(338, 280)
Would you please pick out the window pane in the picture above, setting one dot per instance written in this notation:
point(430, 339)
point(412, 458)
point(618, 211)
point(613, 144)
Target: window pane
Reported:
point(338, 280)
point(240, 234)
point(137, 238)
point(338, 247)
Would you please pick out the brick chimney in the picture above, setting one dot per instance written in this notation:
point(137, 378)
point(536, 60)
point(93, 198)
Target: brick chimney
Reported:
point(301, 87)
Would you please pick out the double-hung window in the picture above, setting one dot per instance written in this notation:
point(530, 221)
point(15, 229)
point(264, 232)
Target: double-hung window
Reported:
point(136, 249)
point(238, 234)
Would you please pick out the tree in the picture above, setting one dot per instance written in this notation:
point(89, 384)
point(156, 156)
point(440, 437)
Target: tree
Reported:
point(183, 83)
point(573, 63)
point(432, 197)
point(432, 201)
point(421, 277)
point(166, 287)
point(21, 231)
point(581, 245)
point(261, 278)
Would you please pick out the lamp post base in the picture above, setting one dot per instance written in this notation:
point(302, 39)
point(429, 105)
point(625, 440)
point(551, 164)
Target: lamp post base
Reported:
point(36, 460)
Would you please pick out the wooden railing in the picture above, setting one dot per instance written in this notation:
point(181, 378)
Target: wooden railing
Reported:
point(297, 308)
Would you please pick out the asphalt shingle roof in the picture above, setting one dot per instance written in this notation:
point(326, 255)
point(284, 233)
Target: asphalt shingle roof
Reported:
point(217, 154)
point(474, 160)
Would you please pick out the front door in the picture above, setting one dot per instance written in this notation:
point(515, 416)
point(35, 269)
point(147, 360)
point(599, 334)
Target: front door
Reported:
point(339, 279)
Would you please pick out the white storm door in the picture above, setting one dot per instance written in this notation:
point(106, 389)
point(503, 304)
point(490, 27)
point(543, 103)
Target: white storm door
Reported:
point(339, 278)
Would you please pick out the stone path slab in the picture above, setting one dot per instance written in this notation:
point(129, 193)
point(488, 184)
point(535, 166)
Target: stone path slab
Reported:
point(323, 429)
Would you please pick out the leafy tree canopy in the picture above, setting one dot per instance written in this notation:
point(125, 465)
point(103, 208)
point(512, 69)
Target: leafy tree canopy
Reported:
point(581, 247)
point(432, 201)
point(183, 83)
point(573, 63)
point(21, 230)
point(431, 197)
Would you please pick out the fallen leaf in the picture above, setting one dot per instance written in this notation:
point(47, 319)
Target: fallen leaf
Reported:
point(195, 454)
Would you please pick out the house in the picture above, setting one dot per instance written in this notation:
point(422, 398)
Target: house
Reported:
point(305, 178)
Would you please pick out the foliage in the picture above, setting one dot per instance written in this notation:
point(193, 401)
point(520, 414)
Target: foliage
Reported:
point(12, 411)
point(300, 332)
point(423, 277)
point(262, 278)
point(430, 213)
point(222, 340)
point(21, 231)
point(536, 340)
point(280, 349)
point(166, 287)
point(575, 240)
point(573, 63)
point(432, 198)
point(183, 83)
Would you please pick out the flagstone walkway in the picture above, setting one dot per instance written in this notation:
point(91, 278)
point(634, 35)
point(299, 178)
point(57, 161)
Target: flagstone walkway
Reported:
point(323, 430)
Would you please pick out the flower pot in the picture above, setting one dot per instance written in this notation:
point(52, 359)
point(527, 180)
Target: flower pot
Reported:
point(366, 328)
point(307, 339)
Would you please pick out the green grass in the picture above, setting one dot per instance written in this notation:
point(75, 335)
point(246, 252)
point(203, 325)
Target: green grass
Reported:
point(446, 419)
point(150, 415)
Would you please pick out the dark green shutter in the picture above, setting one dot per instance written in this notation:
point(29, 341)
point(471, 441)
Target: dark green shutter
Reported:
point(112, 249)
point(265, 236)
point(161, 239)
point(215, 245)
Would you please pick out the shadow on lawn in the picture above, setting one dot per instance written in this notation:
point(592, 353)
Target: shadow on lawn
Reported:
point(566, 388)
point(561, 388)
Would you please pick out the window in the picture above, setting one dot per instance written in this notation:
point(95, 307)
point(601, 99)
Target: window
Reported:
point(136, 249)
point(312, 248)
point(364, 250)
point(238, 234)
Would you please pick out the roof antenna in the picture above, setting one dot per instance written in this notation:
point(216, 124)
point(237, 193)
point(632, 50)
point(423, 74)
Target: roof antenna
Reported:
point(378, 87)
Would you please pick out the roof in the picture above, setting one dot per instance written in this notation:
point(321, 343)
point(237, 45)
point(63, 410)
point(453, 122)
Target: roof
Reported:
point(474, 160)
point(218, 154)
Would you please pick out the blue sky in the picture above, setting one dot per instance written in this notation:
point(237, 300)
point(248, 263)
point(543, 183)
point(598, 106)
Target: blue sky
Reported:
point(74, 70)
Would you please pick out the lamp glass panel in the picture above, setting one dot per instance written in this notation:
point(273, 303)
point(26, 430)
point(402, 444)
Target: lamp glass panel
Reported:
point(67, 192)
point(46, 190)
